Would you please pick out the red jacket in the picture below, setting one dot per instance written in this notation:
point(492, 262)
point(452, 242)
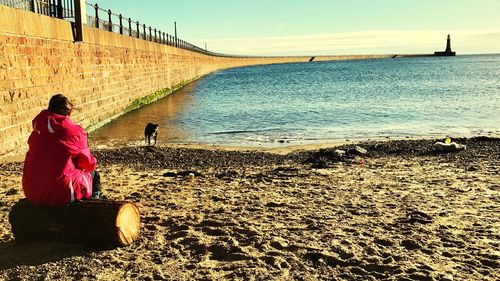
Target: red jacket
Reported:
point(58, 163)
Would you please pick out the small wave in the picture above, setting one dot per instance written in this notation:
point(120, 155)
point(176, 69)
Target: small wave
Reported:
point(231, 132)
point(241, 131)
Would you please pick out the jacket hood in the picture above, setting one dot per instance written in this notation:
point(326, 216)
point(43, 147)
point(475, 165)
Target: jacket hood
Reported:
point(47, 122)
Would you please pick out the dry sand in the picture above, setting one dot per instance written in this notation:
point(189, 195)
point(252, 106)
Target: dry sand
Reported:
point(400, 212)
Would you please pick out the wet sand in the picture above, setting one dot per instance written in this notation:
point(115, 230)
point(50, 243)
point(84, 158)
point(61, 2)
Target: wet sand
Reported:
point(399, 212)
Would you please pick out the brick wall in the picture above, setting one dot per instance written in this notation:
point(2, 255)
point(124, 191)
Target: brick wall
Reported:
point(103, 75)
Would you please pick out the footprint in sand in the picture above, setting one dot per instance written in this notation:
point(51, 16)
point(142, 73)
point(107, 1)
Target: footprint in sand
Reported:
point(223, 251)
point(214, 231)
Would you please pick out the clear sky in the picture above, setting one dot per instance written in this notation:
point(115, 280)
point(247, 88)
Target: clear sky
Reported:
point(318, 27)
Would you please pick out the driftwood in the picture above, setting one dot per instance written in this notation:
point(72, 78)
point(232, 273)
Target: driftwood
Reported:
point(91, 222)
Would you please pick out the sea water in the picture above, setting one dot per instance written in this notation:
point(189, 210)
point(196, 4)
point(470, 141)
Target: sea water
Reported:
point(301, 103)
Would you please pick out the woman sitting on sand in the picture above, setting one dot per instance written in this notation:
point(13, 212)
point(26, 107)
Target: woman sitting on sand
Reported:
point(59, 167)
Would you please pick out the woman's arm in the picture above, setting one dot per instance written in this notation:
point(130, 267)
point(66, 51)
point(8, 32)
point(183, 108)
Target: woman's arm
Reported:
point(85, 160)
point(77, 145)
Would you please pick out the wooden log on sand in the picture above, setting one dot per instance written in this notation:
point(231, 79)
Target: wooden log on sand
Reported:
point(91, 222)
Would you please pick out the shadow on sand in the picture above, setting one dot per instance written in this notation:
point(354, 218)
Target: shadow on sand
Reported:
point(16, 254)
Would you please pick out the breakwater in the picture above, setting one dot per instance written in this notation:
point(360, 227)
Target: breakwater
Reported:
point(106, 75)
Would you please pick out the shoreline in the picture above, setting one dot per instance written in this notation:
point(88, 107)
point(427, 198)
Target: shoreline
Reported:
point(282, 149)
point(285, 148)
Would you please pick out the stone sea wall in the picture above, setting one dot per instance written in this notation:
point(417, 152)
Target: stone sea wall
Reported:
point(106, 75)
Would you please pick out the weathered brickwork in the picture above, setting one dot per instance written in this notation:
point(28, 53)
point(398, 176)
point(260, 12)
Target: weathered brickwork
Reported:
point(103, 75)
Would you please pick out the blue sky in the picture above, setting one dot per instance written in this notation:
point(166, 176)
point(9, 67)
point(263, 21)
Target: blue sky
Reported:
point(320, 27)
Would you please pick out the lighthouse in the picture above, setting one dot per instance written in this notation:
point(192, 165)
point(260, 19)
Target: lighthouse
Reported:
point(447, 52)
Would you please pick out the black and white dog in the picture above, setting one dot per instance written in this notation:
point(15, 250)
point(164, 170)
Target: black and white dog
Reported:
point(150, 131)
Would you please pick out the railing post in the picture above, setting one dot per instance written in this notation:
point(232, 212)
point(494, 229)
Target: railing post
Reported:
point(96, 15)
point(175, 29)
point(121, 24)
point(60, 9)
point(155, 36)
point(144, 28)
point(79, 19)
point(163, 37)
point(110, 21)
point(129, 27)
point(138, 32)
point(150, 35)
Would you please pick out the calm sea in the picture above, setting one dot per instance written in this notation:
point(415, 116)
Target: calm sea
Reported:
point(300, 103)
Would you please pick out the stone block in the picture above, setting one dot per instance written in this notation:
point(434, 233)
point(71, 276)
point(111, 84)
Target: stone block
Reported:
point(40, 80)
point(4, 96)
point(22, 83)
point(21, 61)
point(14, 73)
point(5, 121)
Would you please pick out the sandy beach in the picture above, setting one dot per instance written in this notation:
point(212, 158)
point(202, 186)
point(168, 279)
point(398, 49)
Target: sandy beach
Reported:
point(400, 211)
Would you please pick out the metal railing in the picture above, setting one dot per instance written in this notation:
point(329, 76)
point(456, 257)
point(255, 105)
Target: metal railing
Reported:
point(106, 20)
point(62, 9)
